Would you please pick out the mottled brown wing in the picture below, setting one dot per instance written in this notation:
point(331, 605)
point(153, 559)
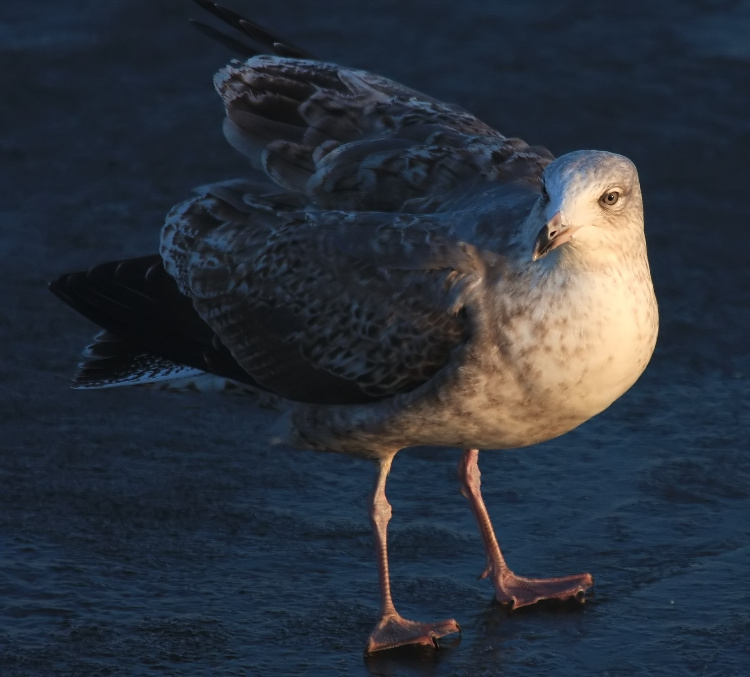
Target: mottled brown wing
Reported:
point(295, 303)
point(351, 276)
point(349, 139)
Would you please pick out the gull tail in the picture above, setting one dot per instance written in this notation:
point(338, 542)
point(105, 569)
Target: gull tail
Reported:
point(151, 332)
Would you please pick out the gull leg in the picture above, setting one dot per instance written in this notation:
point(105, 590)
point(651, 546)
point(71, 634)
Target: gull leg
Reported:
point(392, 630)
point(509, 588)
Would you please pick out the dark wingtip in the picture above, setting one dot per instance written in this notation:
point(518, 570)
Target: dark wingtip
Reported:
point(223, 39)
point(261, 35)
point(59, 287)
point(249, 29)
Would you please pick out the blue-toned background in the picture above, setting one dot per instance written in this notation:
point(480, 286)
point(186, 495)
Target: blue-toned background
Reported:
point(144, 533)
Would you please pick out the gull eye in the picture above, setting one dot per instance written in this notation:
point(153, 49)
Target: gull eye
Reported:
point(610, 198)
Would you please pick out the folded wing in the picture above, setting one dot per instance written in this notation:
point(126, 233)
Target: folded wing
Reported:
point(302, 310)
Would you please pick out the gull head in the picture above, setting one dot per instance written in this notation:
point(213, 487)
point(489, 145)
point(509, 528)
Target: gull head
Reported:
point(590, 202)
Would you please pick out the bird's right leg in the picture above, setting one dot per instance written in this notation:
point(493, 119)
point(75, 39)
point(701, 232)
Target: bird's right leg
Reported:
point(392, 630)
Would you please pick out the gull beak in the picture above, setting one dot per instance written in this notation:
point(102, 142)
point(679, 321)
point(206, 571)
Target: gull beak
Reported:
point(554, 233)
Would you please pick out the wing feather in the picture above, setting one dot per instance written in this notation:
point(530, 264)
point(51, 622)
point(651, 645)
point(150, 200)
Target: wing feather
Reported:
point(349, 139)
point(283, 287)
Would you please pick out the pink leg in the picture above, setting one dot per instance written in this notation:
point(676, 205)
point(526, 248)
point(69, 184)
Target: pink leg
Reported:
point(509, 588)
point(392, 629)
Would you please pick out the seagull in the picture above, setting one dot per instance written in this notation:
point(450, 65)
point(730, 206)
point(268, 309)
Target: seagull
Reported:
point(395, 273)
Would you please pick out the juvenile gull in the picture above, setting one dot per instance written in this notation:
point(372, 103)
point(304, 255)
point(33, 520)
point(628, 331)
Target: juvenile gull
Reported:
point(397, 273)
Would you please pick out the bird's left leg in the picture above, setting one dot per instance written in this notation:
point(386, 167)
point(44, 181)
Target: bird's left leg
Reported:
point(510, 588)
point(392, 629)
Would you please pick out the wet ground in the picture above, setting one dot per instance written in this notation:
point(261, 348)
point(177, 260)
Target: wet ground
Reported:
point(145, 533)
